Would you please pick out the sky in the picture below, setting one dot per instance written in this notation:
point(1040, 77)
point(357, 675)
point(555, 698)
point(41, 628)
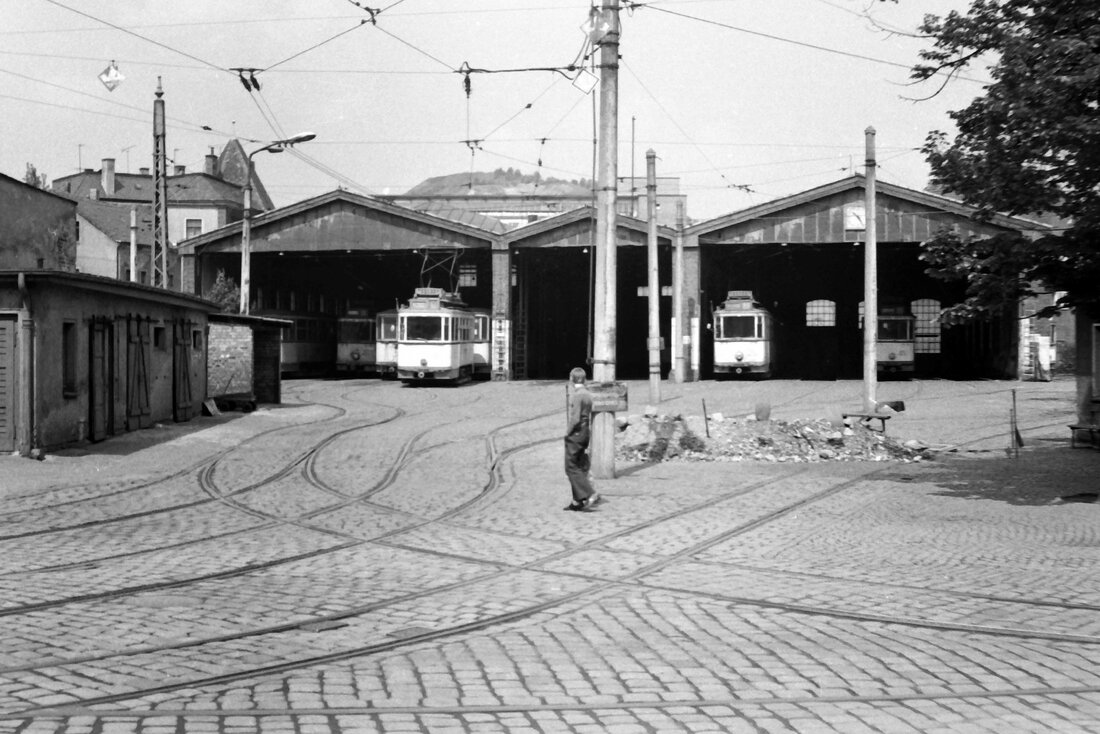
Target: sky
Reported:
point(743, 101)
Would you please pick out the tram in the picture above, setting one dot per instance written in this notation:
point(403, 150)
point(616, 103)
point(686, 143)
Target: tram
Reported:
point(356, 342)
point(385, 351)
point(435, 338)
point(309, 344)
point(744, 337)
point(895, 344)
point(483, 364)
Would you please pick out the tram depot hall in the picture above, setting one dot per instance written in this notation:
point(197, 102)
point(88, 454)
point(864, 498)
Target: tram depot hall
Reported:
point(800, 256)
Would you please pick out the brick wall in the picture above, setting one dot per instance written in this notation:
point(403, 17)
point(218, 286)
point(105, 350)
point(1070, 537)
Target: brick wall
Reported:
point(229, 360)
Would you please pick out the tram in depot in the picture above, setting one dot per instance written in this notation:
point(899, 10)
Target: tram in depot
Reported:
point(744, 337)
point(385, 350)
point(356, 342)
point(309, 343)
point(435, 338)
point(895, 343)
point(483, 364)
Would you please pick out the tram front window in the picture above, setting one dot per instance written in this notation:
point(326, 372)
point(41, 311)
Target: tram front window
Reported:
point(356, 331)
point(738, 327)
point(423, 328)
point(387, 328)
point(895, 330)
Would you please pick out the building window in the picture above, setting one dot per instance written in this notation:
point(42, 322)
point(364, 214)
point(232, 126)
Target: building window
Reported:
point(68, 359)
point(196, 339)
point(821, 313)
point(158, 337)
point(467, 275)
point(927, 326)
point(192, 228)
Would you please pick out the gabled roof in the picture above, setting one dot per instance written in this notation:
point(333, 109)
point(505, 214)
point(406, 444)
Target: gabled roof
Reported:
point(45, 192)
point(581, 213)
point(856, 181)
point(186, 188)
point(233, 229)
point(113, 219)
point(232, 164)
point(462, 216)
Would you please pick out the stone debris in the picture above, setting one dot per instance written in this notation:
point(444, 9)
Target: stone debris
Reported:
point(655, 438)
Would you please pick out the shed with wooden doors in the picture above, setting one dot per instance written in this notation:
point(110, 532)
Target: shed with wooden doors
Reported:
point(85, 357)
point(802, 256)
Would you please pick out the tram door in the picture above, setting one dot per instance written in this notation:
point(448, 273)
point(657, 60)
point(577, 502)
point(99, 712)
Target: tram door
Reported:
point(820, 342)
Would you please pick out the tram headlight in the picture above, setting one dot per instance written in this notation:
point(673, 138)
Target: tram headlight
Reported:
point(424, 362)
point(355, 355)
point(739, 356)
point(892, 356)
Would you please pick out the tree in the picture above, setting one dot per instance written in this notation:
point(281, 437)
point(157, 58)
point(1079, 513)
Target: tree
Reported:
point(33, 178)
point(225, 293)
point(1030, 144)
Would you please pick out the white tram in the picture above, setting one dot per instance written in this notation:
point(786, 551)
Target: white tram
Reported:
point(356, 344)
point(895, 344)
point(483, 365)
point(435, 338)
point(744, 337)
point(385, 350)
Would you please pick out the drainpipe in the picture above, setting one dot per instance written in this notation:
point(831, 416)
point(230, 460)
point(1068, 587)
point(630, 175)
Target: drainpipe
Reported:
point(26, 438)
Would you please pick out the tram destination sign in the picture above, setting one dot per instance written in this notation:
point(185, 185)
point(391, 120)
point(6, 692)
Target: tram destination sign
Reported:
point(608, 397)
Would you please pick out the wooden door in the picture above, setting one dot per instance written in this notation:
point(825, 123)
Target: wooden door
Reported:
point(99, 380)
point(7, 383)
point(182, 405)
point(138, 405)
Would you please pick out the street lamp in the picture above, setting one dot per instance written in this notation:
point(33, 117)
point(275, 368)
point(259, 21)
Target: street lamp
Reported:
point(276, 146)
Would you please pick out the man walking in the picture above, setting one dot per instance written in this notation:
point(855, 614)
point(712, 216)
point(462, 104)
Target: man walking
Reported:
point(576, 443)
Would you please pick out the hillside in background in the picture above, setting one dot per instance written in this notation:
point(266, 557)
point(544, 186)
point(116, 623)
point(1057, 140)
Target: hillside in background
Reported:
point(501, 182)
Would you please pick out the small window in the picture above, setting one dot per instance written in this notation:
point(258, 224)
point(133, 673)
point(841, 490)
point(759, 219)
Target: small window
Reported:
point(68, 359)
point(467, 275)
point(193, 228)
point(158, 337)
point(196, 339)
point(821, 313)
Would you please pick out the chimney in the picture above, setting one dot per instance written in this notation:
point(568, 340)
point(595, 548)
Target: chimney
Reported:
point(180, 170)
point(211, 166)
point(144, 170)
point(107, 177)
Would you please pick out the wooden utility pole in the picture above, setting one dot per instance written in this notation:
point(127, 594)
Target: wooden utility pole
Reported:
point(654, 281)
point(606, 35)
point(870, 281)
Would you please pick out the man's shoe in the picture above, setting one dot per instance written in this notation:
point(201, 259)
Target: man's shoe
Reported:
point(577, 507)
point(594, 500)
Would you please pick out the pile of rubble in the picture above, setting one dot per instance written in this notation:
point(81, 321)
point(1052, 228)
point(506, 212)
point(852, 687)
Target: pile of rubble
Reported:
point(653, 438)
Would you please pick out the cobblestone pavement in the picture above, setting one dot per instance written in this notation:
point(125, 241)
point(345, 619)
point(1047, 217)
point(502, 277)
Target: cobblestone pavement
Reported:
point(373, 558)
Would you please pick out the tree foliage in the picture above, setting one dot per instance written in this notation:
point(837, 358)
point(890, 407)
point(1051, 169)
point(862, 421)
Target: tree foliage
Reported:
point(225, 293)
point(1029, 145)
point(33, 178)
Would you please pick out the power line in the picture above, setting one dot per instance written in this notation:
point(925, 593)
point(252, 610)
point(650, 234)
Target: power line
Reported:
point(135, 35)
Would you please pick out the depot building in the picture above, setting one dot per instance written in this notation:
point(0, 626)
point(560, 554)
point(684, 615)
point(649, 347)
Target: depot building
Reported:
point(801, 256)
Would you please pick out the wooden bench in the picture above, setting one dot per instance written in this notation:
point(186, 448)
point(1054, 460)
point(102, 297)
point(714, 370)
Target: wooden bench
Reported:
point(1075, 428)
point(866, 418)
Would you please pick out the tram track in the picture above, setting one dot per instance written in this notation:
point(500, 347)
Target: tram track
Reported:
point(495, 460)
point(593, 585)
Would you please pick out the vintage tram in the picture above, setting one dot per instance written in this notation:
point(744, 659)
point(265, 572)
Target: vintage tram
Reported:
point(483, 364)
point(895, 343)
point(385, 350)
point(435, 338)
point(356, 342)
point(744, 337)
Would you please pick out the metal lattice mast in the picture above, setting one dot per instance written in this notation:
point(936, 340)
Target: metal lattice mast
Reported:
point(159, 265)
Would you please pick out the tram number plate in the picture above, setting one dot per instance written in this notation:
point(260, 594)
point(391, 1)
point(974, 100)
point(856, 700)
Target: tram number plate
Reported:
point(608, 397)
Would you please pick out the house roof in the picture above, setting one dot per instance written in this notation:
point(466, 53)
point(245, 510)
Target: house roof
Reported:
point(113, 219)
point(45, 192)
point(462, 216)
point(856, 181)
